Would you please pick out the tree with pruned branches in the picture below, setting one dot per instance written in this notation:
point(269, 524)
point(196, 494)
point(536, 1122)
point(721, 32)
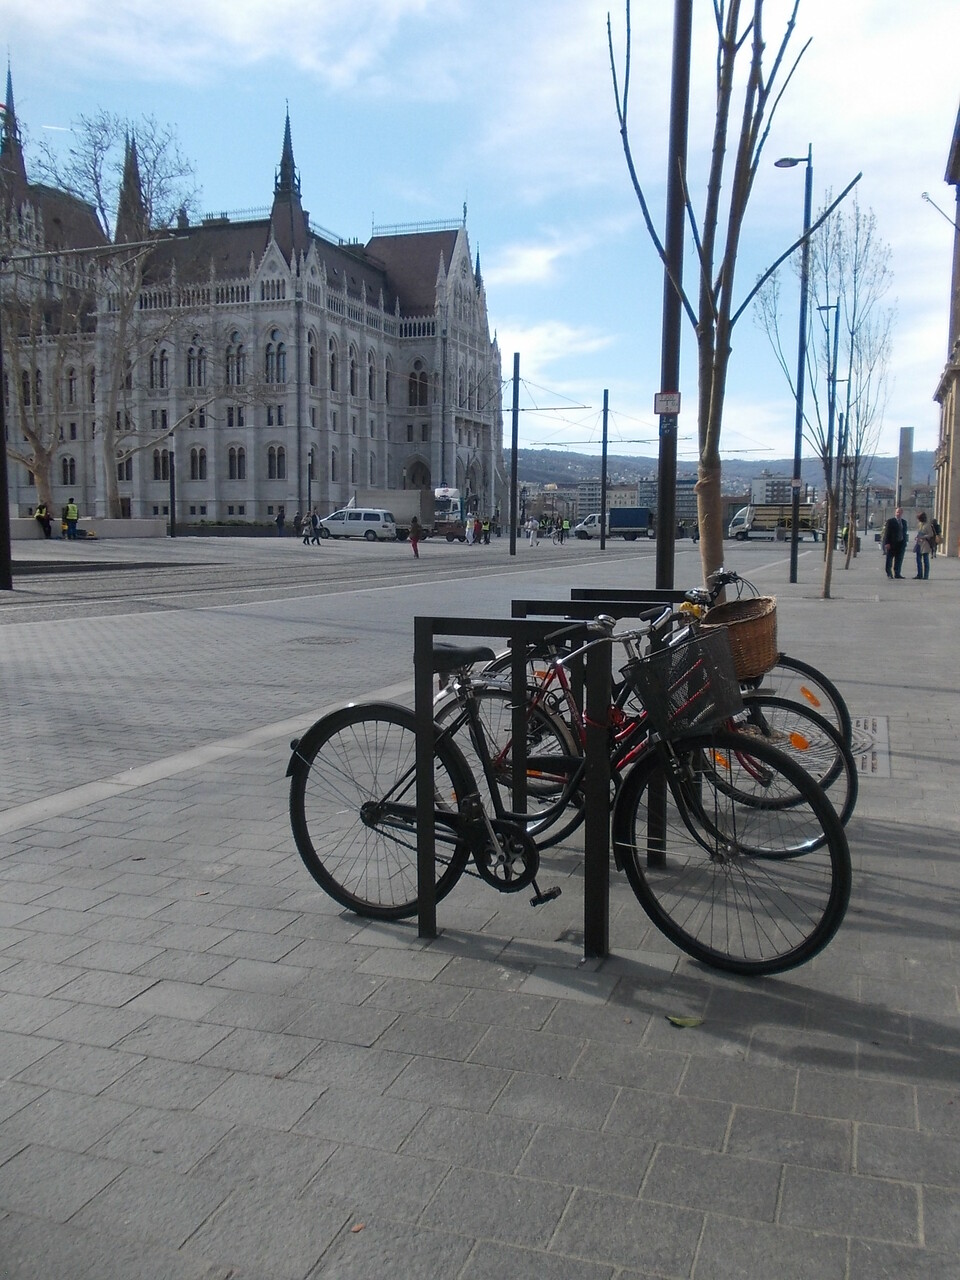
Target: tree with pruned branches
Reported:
point(755, 77)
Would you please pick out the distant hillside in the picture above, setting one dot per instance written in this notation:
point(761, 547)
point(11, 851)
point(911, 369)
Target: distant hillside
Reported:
point(556, 466)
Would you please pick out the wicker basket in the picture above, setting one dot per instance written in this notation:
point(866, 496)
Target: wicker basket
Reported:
point(752, 627)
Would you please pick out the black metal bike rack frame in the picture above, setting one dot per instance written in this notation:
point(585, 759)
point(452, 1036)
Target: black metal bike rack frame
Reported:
point(520, 633)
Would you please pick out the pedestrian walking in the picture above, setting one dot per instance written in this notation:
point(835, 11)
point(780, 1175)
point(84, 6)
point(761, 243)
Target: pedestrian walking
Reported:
point(533, 531)
point(937, 531)
point(71, 514)
point(297, 523)
point(416, 533)
point(280, 521)
point(923, 545)
point(895, 543)
point(315, 527)
point(485, 530)
point(477, 530)
point(306, 527)
point(468, 531)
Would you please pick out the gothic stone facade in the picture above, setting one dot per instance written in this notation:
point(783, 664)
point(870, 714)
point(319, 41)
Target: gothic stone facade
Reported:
point(277, 367)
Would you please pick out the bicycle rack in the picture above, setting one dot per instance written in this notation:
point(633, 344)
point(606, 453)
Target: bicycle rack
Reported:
point(520, 632)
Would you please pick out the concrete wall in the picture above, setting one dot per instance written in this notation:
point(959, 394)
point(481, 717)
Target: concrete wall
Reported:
point(21, 529)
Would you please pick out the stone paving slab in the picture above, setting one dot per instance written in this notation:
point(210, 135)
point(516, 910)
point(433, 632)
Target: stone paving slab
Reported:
point(207, 1070)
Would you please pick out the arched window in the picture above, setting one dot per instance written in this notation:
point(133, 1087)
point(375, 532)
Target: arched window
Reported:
point(92, 385)
point(71, 386)
point(68, 470)
point(281, 463)
point(417, 395)
point(271, 463)
point(270, 363)
point(231, 464)
point(203, 464)
point(156, 465)
point(125, 469)
point(371, 378)
point(236, 362)
point(241, 464)
point(312, 364)
point(128, 376)
point(281, 362)
point(333, 365)
point(334, 477)
point(353, 372)
point(39, 384)
point(461, 400)
point(25, 385)
point(387, 376)
point(164, 369)
point(196, 365)
point(194, 464)
point(353, 466)
point(372, 470)
point(154, 370)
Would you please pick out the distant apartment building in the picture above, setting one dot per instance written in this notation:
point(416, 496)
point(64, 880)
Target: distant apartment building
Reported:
point(618, 495)
point(770, 488)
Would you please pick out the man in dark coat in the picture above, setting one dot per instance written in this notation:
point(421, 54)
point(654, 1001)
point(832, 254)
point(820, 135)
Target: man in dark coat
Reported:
point(895, 543)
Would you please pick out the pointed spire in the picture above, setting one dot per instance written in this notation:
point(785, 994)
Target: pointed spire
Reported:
point(11, 153)
point(288, 222)
point(477, 277)
point(133, 222)
point(288, 179)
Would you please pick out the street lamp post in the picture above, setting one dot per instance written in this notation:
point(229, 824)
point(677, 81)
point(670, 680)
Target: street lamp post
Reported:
point(788, 162)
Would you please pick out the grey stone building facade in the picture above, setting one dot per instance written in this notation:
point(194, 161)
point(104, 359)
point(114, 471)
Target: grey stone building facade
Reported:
point(269, 365)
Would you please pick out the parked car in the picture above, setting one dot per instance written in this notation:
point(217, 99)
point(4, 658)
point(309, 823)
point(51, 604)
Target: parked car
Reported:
point(372, 523)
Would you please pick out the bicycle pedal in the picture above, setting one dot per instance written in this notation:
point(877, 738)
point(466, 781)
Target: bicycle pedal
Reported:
point(548, 895)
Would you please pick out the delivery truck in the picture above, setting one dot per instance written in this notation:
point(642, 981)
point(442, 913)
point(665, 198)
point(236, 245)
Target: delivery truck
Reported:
point(774, 520)
point(622, 522)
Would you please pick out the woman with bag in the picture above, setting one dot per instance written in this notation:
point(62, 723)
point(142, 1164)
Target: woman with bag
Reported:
point(923, 545)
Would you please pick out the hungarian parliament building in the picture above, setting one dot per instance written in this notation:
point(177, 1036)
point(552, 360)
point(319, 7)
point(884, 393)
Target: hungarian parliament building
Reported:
point(262, 364)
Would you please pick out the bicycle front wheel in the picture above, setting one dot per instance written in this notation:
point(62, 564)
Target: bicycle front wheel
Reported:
point(353, 809)
point(723, 878)
point(809, 739)
point(800, 682)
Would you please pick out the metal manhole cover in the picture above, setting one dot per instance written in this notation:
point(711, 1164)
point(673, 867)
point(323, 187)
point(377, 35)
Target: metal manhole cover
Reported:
point(326, 640)
point(871, 746)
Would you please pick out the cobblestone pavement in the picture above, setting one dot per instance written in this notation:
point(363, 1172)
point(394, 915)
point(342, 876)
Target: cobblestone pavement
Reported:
point(208, 1070)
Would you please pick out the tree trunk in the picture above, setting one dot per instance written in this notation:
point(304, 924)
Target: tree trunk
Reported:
point(710, 516)
point(830, 543)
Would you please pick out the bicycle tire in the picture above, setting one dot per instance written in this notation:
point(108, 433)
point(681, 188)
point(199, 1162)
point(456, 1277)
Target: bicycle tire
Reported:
point(547, 736)
point(343, 762)
point(811, 740)
point(724, 893)
point(802, 683)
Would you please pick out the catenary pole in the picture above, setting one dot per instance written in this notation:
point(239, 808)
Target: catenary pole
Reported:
point(672, 310)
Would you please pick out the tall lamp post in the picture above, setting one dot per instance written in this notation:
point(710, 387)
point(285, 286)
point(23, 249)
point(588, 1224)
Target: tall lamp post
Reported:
point(789, 162)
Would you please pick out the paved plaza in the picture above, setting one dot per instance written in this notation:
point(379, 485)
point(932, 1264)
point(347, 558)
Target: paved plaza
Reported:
point(208, 1070)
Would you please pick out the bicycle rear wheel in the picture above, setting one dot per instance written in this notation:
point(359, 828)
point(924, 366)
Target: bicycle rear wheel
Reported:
point(809, 739)
point(554, 761)
point(728, 884)
point(353, 809)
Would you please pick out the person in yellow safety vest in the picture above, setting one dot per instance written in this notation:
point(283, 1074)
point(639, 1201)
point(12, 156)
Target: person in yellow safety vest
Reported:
point(485, 531)
point(72, 514)
point(42, 517)
point(564, 530)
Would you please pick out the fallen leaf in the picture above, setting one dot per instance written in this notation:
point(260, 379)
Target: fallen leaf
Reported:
point(678, 1021)
point(358, 1226)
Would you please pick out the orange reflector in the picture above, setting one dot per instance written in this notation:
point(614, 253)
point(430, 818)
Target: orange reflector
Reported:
point(810, 696)
point(799, 742)
point(720, 760)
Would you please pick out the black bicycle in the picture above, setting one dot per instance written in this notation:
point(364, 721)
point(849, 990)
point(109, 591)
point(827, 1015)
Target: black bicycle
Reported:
point(749, 871)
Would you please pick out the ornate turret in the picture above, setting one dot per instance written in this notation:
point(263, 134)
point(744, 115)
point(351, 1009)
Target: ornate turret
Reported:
point(11, 152)
point(133, 221)
point(288, 222)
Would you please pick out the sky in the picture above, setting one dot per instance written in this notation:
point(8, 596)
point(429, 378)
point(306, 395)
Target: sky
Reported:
point(403, 110)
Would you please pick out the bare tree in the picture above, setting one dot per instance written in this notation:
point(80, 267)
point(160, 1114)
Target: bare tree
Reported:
point(46, 320)
point(850, 335)
point(136, 179)
point(742, 66)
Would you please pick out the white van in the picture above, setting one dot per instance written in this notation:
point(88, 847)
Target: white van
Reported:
point(371, 523)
